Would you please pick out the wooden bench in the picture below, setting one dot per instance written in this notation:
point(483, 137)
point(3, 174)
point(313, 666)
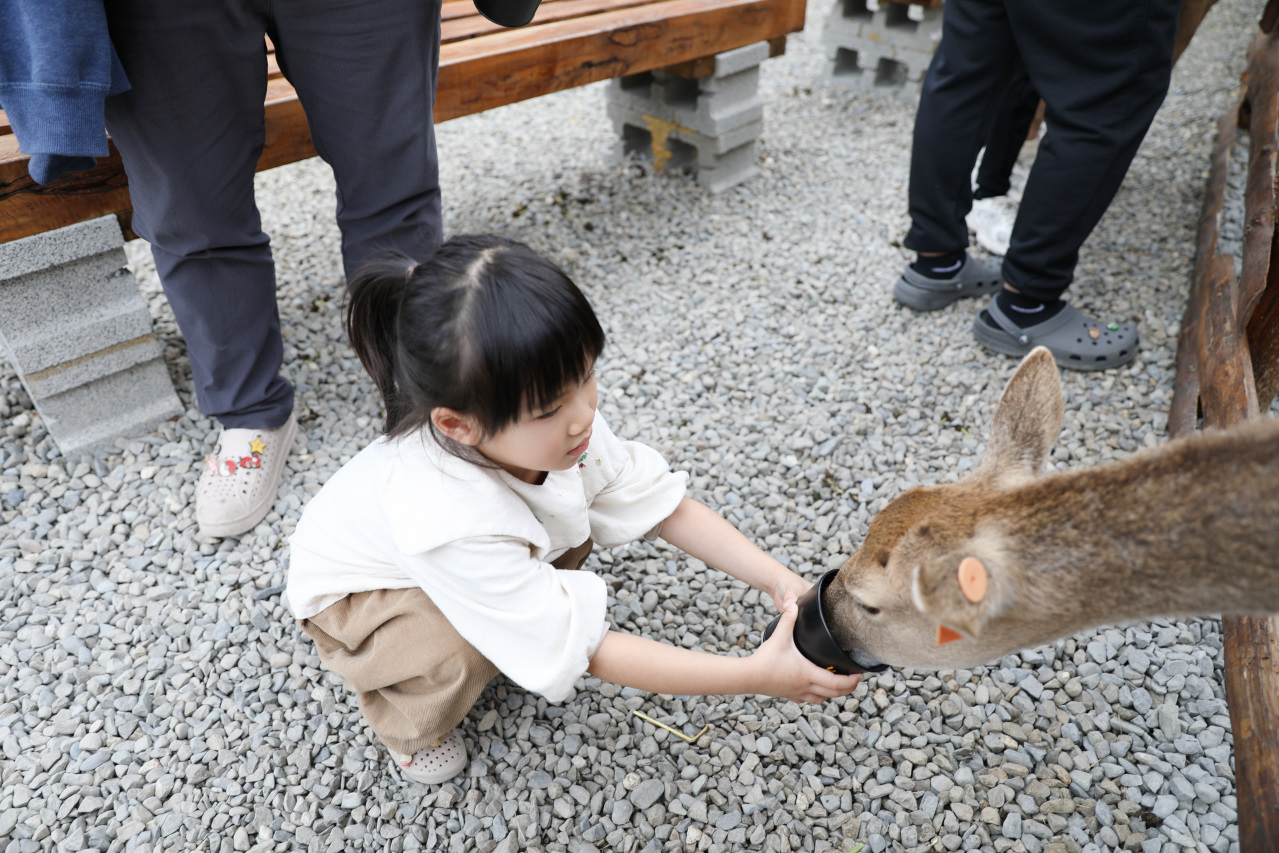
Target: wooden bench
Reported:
point(1228, 371)
point(569, 43)
point(79, 334)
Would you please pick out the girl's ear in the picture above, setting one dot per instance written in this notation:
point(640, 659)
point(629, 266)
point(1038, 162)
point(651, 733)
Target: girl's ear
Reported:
point(456, 426)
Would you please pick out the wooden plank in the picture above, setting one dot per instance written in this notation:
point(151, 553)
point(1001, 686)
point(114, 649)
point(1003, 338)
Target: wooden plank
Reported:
point(1216, 369)
point(1226, 389)
point(1269, 16)
point(1252, 692)
point(1183, 412)
point(1263, 338)
point(1259, 297)
point(1263, 165)
point(77, 197)
point(477, 25)
point(517, 65)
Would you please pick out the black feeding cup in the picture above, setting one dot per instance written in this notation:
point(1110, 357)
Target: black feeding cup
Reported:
point(508, 13)
point(813, 639)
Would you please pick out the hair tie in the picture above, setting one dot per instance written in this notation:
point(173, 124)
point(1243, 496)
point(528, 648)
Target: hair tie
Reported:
point(408, 274)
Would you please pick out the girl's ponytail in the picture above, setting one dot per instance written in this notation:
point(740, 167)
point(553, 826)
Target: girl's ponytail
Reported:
point(372, 317)
point(485, 327)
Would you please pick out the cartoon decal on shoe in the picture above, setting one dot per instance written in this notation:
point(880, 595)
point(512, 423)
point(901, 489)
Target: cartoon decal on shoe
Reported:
point(227, 467)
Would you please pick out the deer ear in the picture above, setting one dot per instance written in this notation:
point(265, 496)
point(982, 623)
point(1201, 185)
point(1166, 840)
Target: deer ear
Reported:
point(1026, 423)
point(960, 592)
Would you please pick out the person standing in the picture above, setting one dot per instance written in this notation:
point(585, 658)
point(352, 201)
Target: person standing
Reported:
point(190, 132)
point(1102, 68)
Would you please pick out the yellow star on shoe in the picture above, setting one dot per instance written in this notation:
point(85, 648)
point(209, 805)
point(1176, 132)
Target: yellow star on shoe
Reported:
point(257, 445)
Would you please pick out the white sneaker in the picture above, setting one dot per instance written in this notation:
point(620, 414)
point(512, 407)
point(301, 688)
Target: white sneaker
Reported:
point(238, 484)
point(991, 221)
point(435, 764)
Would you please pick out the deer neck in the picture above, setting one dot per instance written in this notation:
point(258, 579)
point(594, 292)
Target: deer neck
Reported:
point(1190, 529)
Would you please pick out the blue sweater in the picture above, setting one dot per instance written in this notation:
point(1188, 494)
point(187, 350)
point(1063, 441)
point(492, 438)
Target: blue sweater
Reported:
point(57, 67)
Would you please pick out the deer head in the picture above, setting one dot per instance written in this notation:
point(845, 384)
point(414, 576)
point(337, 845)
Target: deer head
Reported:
point(960, 574)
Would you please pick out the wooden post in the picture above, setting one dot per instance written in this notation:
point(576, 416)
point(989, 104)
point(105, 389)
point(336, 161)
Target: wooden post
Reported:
point(1227, 371)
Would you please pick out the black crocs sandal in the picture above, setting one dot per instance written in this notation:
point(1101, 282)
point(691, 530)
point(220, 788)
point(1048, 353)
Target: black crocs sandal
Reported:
point(974, 278)
point(1076, 341)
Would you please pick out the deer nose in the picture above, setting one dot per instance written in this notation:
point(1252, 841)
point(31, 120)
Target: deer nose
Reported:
point(813, 638)
point(866, 660)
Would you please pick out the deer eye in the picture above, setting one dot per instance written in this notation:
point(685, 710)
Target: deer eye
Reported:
point(882, 559)
point(870, 611)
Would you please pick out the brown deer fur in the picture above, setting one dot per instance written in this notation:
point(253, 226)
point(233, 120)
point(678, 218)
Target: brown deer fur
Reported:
point(1188, 528)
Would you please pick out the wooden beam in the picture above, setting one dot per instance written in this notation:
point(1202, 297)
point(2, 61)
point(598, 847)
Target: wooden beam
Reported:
point(521, 64)
point(77, 197)
point(1220, 372)
point(476, 24)
point(599, 40)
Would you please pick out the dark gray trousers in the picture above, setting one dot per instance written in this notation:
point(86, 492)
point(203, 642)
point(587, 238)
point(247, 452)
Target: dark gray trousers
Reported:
point(192, 127)
point(1102, 68)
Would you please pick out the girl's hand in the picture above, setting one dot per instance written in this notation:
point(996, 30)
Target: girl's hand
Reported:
point(783, 672)
point(788, 587)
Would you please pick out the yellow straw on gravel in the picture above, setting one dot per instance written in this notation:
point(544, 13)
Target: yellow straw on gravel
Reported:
point(671, 730)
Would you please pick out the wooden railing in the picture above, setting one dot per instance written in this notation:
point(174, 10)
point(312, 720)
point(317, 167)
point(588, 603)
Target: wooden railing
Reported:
point(1228, 371)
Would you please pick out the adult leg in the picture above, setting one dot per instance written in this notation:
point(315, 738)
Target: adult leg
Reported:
point(956, 107)
point(190, 132)
point(365, 72)
point(1011, 124)
point(1102, 68)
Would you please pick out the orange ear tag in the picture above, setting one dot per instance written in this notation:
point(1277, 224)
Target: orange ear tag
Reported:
point(972, 579)
point(947, 635)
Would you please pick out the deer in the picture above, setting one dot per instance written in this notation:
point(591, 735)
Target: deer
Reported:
point(960, 574)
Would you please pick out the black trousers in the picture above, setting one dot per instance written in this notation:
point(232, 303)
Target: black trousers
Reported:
point(192, 127)
point(1008, 132)
point(1102, 69)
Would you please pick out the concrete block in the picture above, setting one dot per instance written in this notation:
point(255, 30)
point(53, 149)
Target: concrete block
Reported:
point(740, 59)
point(79, 335)
point(720, 162)
point(884, 47)
point(897, 23)
point(124, 404)
point(709, 105)
point(708, 125)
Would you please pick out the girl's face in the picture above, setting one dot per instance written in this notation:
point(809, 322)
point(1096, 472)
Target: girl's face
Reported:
point(551, 439)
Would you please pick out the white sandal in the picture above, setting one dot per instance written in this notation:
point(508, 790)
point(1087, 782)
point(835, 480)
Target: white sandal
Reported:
point(435, 764)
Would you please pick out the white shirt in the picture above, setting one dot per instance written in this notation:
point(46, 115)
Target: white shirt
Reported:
point(479, 542)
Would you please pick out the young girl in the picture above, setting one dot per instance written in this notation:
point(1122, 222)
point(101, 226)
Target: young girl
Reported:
point(447, 550)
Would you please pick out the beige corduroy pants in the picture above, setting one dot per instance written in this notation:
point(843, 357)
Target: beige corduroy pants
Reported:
point(413, 675)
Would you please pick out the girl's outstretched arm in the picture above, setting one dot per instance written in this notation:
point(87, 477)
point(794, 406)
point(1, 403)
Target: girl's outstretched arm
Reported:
point(775, 669)
point(698, 530)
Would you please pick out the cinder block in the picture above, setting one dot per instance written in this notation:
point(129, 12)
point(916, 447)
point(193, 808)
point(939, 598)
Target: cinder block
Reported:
point(708, 125)
point(124, 404)
point(709, 105)
point(720, 162)
point(79, 335)
point(880, 47)
point(740, 59)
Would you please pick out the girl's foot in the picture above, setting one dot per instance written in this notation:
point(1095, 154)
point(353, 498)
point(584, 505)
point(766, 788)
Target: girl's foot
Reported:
point(434, 764)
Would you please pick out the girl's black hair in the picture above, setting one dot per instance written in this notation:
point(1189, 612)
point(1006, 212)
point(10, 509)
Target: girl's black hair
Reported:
point(486, 327)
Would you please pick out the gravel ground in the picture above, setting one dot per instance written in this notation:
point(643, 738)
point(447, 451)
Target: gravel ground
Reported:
point(155, 694)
